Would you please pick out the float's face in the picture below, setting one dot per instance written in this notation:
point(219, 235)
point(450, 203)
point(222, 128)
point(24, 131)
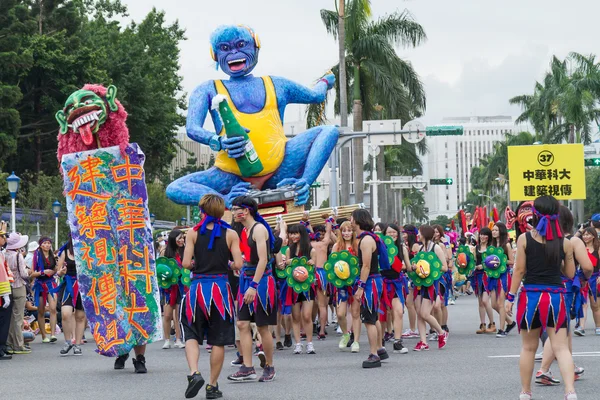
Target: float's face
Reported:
point(85, 112)
point(236, 52)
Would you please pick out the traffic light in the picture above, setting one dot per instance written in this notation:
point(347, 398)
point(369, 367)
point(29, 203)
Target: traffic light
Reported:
point(441, 181)
point(444, 131)
point(592, 162)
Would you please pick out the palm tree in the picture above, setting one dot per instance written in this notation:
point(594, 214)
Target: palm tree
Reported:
point(564, 107)
point(377, 76)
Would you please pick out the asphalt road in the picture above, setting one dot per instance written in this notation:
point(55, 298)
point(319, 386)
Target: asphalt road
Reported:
point(463, 370)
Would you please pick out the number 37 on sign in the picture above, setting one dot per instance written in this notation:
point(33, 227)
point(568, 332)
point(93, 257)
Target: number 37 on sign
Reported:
point(555, 169)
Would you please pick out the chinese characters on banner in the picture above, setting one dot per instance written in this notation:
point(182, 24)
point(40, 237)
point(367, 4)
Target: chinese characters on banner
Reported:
point(553, 170)
point(112, 238)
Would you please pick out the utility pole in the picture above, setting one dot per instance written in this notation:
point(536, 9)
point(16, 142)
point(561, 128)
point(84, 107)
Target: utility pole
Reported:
point(345, 174)
point(342, 56)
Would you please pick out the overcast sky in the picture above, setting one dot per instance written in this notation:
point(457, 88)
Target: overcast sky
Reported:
point(478, 53)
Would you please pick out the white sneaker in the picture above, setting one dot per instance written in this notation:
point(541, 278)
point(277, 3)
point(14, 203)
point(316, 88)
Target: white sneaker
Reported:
point(310, 349)
point(451, 302)
point(433, 337)
point(299, 348)
point(179, 344)
point(167, 344)
point(339, 331)
point(539, 356)
point(355, 348)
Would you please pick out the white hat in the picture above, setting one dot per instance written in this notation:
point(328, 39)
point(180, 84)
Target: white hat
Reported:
point(16, 241)
point(32, 246)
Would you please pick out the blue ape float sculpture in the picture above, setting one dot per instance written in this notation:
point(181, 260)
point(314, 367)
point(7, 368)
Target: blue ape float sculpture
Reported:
point(259, 104)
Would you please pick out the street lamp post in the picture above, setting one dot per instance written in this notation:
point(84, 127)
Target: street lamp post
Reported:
point(13, 188)
point(152, 219)
point(56, 206)
point(183, 221)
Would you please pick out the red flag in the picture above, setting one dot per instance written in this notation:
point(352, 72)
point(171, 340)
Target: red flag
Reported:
point(463, 221)
point(496, 216)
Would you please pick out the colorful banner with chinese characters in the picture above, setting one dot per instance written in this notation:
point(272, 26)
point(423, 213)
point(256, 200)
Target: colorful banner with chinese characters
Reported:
point(109, 219)
point(552, 169)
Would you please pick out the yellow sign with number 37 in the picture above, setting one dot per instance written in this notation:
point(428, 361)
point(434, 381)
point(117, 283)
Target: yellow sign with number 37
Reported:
point(553, 169)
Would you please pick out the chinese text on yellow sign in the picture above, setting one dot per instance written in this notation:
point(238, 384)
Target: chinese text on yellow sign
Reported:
point(554, 169)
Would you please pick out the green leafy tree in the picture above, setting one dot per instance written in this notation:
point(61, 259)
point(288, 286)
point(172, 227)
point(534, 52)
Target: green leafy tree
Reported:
point(592, 182)
point(441, 220)
point(377, 78)
point(158, 203)
point(15, 24)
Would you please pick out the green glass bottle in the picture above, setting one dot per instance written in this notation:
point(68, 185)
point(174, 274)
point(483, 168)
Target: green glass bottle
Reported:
point(249, 163)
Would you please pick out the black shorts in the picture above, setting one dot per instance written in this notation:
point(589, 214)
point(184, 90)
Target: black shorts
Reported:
point(260, 316)
point(536, 323)
point(68, 301)
point(368, 317)
point(234, 282)
point(302, 297)
point(163, 299)
point(218, 331)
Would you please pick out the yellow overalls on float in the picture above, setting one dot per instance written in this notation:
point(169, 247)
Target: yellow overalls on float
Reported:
point(266, 132)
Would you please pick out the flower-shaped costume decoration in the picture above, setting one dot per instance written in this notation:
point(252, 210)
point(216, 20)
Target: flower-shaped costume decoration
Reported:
point(429, 269)
point(342, 269)
point(300, 275)
point(392, 249)
point(465, 262)
point(280, 273)
point(494, 262)
point(167, 272)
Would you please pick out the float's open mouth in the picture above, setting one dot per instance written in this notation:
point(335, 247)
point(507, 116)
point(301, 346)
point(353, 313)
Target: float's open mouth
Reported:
point(237, 65)
point(83, 121)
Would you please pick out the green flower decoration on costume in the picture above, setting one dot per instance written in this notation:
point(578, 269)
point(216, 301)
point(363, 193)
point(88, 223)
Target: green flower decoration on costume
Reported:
point(281, 272)
point(186, 277)
point(494, 256)
point(165, 272)
point(463, 254)
point(342, 269)
point(391, 247)
point(433, 271)
point(298, 286)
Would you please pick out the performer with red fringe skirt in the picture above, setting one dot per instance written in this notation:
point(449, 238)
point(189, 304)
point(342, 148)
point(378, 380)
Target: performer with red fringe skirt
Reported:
point(257, 295)
point(372, 254)
point(395, 288)
point(44, 268)
point(498, 286)
point(541, 306)
point(479, 283)
point(425, 296)
point(208, 306)
point(72, 312)
point(347, 241)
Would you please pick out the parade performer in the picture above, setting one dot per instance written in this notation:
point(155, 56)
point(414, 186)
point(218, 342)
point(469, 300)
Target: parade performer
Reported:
point(107, 205)
point(541, 304)
point(320, 240)
point(347, 241)
point(71, 309)
point(573, 296)
point(208, 306)
point(427, 295)
point(440, 308)
point(261, 156)
point(171, 297)
point(395, 287)
point(409, 238)
point(498, 286)
point(257, 296)
point(372, 254)
point(44, 268)
point(479, 283)
point(301, 303)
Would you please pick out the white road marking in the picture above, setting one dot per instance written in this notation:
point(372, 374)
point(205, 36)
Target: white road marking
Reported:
point(576, 354)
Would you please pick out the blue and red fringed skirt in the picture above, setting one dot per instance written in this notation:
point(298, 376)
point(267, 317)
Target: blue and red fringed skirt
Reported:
point(206, 291)
point(541, 305)
point(265, 293)
point(43, 288)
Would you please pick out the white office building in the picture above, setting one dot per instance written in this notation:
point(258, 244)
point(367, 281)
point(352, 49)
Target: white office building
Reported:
point(455, 156)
